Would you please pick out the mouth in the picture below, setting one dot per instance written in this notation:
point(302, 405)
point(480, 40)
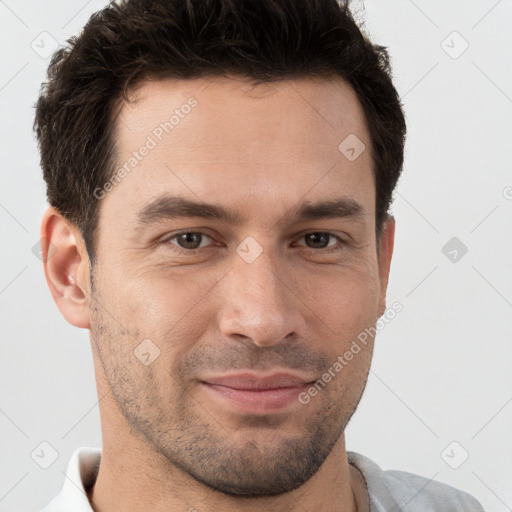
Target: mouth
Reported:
point(250, 393)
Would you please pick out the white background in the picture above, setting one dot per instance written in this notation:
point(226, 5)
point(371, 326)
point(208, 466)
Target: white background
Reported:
point(442, 367)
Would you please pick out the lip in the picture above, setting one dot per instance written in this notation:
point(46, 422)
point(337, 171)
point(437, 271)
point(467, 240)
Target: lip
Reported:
point(251, 393)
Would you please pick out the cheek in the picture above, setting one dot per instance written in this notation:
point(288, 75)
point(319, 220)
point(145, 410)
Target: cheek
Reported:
point(168, 306)
point(346, 300)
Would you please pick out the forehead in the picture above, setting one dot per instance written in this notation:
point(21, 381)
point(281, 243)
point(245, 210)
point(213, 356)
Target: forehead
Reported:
point(251, 146)
point(305, 112)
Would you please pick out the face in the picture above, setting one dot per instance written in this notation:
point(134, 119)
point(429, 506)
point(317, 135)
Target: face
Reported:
point(213, 322)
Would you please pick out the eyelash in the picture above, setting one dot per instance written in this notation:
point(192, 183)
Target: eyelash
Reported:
point(181, 250)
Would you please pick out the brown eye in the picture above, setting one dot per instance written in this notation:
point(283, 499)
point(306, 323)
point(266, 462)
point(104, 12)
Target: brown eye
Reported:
point(320, 240)
point(189, 240)
point(317, 240)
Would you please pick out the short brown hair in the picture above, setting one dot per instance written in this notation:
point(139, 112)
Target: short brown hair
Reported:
point(263, 40)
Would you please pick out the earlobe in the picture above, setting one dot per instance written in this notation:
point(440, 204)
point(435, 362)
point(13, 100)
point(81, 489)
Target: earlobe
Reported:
point(66, 267)
point(387, 242)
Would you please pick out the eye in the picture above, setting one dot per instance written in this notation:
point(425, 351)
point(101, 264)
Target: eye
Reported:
point(321, 240)
point(189, 240)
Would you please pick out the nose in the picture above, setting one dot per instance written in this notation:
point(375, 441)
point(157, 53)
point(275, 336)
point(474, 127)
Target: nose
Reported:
point(260, 304)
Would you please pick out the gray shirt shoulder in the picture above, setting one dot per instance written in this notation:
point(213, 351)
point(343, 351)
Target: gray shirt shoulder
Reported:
point(400, 491)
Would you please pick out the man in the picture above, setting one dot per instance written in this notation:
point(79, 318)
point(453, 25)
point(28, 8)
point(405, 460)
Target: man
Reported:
point(220, 174)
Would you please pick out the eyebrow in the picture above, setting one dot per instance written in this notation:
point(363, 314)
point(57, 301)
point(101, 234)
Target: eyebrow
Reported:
point(167, 207)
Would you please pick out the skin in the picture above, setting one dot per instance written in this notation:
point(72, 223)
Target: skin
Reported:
point(168, 444)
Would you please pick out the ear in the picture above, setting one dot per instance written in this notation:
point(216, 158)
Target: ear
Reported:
point(66, 267)
point(386, 244)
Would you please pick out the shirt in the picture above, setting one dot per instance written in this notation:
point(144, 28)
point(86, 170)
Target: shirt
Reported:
point(388, 491)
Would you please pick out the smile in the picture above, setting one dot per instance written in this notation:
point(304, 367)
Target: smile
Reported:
point(256, 394)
